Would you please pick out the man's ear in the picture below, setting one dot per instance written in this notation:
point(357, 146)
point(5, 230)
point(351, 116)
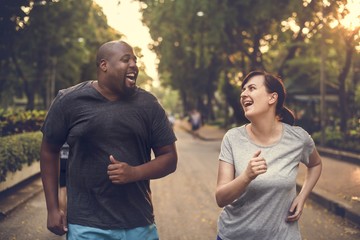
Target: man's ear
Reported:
point(273, 98)
point(103, 65)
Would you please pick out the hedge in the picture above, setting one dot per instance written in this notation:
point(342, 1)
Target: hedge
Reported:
point(15, 121)
point(18, 149)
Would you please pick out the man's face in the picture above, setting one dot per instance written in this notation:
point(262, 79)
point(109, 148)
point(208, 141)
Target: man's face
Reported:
point(122, 71)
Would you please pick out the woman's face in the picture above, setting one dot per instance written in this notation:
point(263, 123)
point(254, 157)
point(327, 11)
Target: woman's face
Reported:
point(254, 98)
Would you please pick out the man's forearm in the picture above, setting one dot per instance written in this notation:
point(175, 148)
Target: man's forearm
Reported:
point(49, 165)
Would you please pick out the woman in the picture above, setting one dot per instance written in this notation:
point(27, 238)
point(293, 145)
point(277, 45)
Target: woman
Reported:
point(258, 166)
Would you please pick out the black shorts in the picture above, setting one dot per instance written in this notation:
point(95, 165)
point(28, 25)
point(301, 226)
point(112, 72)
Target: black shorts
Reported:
point(195, 127)
point(62, 177)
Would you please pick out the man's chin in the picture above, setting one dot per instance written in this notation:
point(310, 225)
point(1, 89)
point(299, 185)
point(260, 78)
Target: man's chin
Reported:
point(130, 91)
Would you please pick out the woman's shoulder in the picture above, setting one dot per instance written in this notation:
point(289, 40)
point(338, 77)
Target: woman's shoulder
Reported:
point(296, 131)
point(236, 132)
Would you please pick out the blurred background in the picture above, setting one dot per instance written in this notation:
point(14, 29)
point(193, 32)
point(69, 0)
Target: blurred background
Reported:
point(193, 54)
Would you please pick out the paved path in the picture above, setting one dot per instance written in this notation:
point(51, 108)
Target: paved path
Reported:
point(184, 203)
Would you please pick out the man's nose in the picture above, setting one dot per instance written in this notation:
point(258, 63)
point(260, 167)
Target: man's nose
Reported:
point(132, 63)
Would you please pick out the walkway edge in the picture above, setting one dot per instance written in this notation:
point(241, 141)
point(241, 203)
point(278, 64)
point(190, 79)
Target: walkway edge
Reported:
point(339, 155)
point(340, 208)
point(19, 194)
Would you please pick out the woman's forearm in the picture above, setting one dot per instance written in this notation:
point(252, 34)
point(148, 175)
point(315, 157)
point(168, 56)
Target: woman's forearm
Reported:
point(311, 178)
point(229, 192)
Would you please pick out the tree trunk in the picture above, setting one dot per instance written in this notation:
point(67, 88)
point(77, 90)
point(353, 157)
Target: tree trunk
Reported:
point(342, 78)
point(27, 86)
point(342, 90)
point(233, 100)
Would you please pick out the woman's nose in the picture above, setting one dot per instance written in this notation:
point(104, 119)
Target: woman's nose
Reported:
point(243, 93)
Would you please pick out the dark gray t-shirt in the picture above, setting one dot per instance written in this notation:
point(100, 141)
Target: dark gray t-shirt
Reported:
point(260, 212)
point(95, 128)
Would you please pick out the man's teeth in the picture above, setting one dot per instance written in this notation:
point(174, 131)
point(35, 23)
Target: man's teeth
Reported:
point(131, 76)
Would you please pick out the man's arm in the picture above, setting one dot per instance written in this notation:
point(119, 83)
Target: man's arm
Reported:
point(49, 165)
point(164, 163)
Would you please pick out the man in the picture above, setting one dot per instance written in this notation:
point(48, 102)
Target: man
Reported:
point(111, 126)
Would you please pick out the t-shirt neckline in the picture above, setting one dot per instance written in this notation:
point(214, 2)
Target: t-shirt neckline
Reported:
point(264, 146)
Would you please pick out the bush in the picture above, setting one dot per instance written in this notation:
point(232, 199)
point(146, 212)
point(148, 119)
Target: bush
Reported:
point(19, 121)
point(17, 150)
point(337, 140)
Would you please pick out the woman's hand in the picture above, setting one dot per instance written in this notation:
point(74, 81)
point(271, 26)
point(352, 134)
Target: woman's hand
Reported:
point(256, 166)
point(295, 210)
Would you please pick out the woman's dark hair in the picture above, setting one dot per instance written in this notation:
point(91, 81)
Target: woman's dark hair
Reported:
point(274, 84)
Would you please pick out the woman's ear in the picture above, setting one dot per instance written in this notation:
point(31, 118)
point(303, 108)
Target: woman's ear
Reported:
point(273, 98)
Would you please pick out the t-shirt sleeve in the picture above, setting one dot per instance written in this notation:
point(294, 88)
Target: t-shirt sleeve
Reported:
point(54, 128)
point(226, 150)
point(161, 131)
point(309, 147)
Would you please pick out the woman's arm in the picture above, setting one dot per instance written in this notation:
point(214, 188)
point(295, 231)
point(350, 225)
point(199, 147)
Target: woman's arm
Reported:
point(312, 175)
point(230, 188)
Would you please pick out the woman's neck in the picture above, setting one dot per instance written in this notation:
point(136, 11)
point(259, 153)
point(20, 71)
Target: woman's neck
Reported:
point(265, 132)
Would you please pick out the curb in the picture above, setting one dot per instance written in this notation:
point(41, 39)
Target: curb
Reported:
point(19, 194)
point(340, 155)
point(339, 208)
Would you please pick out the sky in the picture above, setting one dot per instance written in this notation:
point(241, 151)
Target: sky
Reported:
point(126, 18)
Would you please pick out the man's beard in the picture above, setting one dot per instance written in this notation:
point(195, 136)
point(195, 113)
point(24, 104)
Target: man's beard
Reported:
point(129, 92)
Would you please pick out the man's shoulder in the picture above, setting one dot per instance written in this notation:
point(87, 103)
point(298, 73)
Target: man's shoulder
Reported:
point(73, 90)
point(146, 96)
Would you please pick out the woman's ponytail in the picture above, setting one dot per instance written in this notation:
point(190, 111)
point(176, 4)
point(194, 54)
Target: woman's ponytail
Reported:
point(286, 116)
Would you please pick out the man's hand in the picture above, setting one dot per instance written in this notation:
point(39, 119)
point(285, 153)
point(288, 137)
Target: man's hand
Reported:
point(56, 222)
point(120, 172)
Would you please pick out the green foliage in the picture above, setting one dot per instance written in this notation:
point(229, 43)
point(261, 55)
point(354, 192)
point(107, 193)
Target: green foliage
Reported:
point(198, 42)
point(52, 49)
point(169, 99)
point(17, 150)
point(335, 139)
point(19, 121)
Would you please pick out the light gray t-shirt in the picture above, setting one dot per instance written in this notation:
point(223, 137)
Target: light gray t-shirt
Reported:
point(261, 211)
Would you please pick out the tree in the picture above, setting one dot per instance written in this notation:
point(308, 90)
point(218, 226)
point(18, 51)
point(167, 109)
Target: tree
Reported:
point(40, 47)
point(204, 46)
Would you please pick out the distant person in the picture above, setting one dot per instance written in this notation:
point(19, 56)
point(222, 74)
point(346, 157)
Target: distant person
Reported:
point(195, 121)
point(111, 126)
point(64, 155)
point(258, 166)
point(172, 119)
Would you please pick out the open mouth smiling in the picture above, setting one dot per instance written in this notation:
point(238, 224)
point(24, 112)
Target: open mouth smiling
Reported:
point(131, 76)
point(247, 103)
